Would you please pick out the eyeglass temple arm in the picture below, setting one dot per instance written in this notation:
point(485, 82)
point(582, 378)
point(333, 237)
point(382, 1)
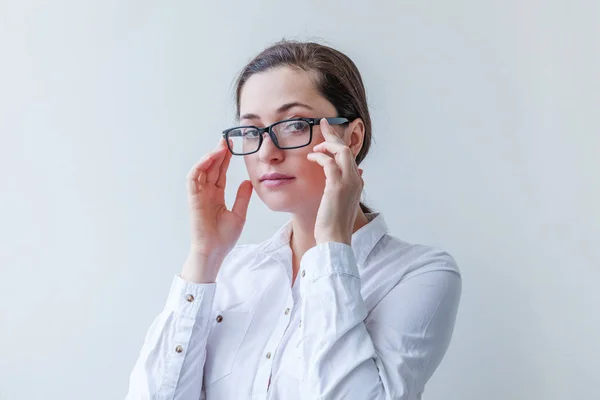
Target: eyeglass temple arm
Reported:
point(332, 121)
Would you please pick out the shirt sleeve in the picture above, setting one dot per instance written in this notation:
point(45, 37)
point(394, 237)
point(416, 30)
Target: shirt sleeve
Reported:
point(391, 353)
point(171, 362)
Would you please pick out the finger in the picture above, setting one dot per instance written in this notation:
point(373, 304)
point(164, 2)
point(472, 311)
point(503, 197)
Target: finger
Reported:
point(332, 136)
point(330, 166)
point(332, 147)
point(242, 199)
point(197, 174)
point(222, 180)
point(342, 154)
point(328, 132)
point(215, 169)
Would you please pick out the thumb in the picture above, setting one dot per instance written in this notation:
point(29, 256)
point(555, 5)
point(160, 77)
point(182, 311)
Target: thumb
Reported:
point(242, 199)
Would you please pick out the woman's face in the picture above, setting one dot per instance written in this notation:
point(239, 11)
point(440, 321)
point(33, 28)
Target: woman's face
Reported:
point(272, 96)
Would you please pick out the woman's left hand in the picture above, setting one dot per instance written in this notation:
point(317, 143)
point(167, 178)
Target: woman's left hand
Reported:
point(343, 187)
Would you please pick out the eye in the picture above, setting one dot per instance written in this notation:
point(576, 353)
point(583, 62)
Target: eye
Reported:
point(295, 127)
point(250, 133)
point(298, 126)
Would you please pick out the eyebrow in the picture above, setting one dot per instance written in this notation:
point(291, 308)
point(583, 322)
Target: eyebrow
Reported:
point(280, 110)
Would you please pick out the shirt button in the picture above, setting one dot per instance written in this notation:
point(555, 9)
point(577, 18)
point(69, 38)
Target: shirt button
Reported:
point(268, 355)
point(303, 273)
point(219, 318)
point(178, 349)
point(287, 311)
point(189, 298)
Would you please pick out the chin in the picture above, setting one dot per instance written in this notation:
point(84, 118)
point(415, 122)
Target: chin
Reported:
point(284, 201)
point(279, 204)
point(289, 202)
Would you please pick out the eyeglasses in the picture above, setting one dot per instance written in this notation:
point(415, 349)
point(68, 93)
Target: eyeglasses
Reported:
point(287, 134)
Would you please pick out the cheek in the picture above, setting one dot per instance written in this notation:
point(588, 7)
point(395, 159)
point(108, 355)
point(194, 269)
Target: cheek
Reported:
point(312, 172)
point(316, 139)
point(251, 167)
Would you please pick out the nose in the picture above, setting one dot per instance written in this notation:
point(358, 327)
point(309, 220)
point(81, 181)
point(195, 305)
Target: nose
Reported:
point(268, 152)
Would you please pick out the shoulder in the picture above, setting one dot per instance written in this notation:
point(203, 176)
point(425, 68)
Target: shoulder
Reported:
point(413, 282)
point(413, 258)
point(393, 263)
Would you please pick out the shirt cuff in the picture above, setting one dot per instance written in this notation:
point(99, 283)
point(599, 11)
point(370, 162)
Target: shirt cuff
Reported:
point(191, 300)
point(326, 259)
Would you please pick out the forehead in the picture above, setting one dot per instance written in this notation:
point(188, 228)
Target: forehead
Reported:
point(265, 92)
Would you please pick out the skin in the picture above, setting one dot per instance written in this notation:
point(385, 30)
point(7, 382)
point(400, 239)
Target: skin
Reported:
point(327, 182)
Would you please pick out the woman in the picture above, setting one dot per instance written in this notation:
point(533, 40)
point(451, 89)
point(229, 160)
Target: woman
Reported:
point(368, 317)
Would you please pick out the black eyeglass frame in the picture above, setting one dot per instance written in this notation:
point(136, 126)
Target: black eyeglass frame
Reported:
point(269, 130)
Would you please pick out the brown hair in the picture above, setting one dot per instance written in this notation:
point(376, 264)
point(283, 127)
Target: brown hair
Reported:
point(337, 79)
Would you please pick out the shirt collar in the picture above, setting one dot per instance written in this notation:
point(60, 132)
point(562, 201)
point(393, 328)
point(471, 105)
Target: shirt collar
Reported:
point(363, 240)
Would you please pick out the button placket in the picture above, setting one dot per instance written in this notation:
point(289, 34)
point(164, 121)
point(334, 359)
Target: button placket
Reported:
point(269, 354)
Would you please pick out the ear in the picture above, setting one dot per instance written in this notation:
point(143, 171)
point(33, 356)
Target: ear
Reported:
point(355, 135)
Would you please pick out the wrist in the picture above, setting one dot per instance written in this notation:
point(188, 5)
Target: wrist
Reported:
point(336, 238)
point(200, 269)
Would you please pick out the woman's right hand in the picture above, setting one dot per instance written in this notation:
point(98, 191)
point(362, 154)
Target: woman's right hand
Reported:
point(214, 229)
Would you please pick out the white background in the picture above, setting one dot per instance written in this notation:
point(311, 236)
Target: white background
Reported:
point(487, 143)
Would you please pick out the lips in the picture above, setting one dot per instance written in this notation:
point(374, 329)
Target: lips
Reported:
point(275, 176)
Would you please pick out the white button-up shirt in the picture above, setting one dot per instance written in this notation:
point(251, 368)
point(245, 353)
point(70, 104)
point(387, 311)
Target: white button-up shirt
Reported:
point(367, 321)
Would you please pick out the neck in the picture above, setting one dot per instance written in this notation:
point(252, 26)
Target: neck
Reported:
point(303, 237)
